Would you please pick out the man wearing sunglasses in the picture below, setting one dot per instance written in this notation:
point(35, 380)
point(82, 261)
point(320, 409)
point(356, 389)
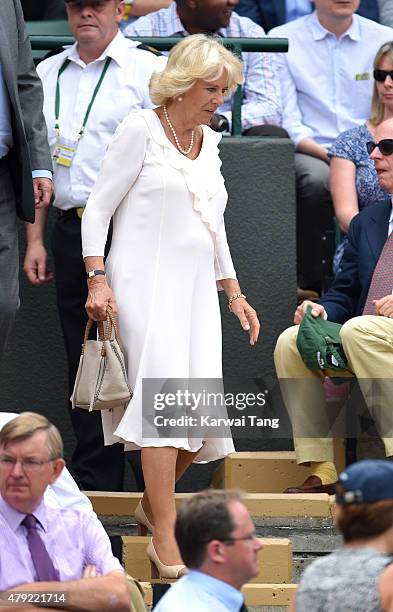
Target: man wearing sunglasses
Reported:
point(323, 97)
point(217, 541)
point(361, 299)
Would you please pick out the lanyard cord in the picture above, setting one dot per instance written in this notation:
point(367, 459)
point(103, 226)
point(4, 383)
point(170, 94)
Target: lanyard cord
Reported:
point(95, 92)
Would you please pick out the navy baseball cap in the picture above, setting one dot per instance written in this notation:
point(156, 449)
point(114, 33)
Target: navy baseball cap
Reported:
point(366, 482)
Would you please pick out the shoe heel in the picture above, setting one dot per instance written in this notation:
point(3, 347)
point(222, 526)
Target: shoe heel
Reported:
point(154, 571)
point(141, 529)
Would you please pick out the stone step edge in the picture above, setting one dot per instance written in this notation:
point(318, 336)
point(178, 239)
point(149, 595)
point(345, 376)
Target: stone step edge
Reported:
point(275, 561)
point(255, 594)
point(107, 503)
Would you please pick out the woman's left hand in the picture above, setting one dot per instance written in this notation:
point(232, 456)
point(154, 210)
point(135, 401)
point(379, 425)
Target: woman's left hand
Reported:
point(248, 318)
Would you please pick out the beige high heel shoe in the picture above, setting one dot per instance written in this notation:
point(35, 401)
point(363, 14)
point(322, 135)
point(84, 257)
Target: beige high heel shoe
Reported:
point(143, 523)
point(158, 569)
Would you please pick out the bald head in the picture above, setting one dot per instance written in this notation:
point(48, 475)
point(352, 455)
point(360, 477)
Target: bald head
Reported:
point(383, 161)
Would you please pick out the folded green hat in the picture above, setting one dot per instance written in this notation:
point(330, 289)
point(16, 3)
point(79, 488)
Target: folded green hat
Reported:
point(319, 343)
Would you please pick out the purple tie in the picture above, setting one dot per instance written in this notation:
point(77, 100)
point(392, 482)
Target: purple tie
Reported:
point(382, 280)
point(41, 560)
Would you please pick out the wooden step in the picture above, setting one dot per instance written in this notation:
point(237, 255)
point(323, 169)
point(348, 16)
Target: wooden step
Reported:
point(115, 504)
point(275, 559)
point(269, 594)
point(255, 594)
point(265, 472)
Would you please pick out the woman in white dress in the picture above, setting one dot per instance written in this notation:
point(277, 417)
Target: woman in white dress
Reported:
point(162, 183)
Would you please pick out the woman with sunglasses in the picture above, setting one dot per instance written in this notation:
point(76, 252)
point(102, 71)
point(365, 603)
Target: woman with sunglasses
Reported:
point(353, 179)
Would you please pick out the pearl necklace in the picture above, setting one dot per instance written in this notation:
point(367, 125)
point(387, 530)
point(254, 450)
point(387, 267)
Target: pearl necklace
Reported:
point(188, 149)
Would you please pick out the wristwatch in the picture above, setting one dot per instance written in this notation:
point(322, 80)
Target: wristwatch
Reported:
point(93, 273)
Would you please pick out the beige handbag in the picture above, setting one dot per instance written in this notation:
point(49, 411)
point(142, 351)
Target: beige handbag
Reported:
point(101, 381)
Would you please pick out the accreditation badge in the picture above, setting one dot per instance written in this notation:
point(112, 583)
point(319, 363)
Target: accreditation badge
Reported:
point(64, 151)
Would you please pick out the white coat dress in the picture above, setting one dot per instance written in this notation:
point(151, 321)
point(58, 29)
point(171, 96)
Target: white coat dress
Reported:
point(169, 249)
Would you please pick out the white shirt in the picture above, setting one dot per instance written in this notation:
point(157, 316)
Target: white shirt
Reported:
point(326, 82)
point(390, 230)
point(125, 87)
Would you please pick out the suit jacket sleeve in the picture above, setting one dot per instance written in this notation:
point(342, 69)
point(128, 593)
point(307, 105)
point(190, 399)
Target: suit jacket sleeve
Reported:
point(340, 301)
point(31, 99)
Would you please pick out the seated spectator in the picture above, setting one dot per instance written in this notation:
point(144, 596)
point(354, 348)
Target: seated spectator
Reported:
point(45, 549)
point(386, 12)
point(39, 10)
point(63, 492)
point(261, 111)
point(272, 13)
point(218, 543)
point(321, 99)
point(353, 179)
point(359, 576)
point(361, 299)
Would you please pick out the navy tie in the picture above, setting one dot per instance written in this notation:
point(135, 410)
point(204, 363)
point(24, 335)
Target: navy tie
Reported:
point(41, 560)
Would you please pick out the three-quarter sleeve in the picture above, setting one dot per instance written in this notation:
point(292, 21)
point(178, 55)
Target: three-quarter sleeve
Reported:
point(223, 265)
point(120, 168)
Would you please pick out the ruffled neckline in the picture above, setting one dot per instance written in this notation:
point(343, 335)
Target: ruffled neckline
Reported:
point(158, 133)
point(202, 179)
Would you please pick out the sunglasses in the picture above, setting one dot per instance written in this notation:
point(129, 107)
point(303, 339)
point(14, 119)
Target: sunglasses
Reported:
point(385, 146)
point(380, 75)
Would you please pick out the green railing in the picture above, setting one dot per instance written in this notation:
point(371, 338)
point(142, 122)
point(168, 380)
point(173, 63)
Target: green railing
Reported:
point(48, 36)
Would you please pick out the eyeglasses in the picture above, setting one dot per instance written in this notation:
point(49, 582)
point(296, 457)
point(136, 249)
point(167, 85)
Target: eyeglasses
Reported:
point(248, 538)
point(28, 465)
point(385, 146)
point(380, 75)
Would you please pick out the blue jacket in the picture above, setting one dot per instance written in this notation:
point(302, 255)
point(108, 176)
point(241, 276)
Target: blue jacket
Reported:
point(271, 13)
point(367, 234)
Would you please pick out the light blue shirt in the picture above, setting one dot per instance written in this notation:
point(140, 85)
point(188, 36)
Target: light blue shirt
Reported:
point(261, 103)
point(332, 93)
point(5, 118)
point(199, 592)
point(297, 8)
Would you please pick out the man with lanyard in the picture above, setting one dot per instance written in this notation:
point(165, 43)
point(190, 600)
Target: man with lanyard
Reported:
point(88, 89)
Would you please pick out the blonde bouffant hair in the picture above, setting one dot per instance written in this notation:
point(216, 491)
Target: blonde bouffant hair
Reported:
point(194, 57)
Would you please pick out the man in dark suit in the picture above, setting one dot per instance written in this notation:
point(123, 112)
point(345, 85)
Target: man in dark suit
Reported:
point(361, 299)
point(37, 10)
point(25, 162)
point(272, 13)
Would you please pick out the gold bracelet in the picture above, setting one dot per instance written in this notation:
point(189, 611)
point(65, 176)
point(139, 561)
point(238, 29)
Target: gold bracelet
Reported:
point(233, 297)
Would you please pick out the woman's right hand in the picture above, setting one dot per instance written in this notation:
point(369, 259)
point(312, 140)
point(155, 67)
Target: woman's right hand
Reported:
point(99, 298)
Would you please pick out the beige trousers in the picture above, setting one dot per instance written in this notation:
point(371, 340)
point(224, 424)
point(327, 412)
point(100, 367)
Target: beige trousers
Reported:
point(368, 345)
